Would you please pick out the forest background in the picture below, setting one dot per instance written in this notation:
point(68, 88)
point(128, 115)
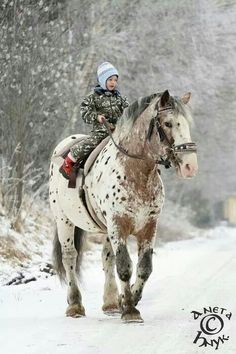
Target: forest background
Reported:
point(49, 52)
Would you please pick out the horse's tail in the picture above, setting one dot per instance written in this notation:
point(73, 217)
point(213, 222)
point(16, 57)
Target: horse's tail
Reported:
point(57, 253)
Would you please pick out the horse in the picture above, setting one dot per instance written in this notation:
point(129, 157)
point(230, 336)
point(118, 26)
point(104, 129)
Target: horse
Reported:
point(126, 193)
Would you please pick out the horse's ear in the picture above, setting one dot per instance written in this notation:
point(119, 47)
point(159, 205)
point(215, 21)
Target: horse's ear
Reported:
point(185, 98)
point(164, 98)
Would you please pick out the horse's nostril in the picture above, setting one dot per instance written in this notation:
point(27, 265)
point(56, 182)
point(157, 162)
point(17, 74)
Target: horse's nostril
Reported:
point(188, 167)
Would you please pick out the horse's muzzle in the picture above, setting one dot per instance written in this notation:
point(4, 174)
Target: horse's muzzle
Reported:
point(188, 167)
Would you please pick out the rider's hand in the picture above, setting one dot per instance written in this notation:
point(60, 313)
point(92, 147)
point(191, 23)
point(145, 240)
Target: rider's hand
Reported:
point(111, 126)
point(101, 119)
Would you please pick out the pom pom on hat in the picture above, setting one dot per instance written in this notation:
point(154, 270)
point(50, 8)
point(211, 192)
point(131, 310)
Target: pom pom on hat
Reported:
point(104, 71)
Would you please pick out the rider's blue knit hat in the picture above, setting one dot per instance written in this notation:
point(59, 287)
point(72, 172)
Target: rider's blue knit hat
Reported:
point(104, 71)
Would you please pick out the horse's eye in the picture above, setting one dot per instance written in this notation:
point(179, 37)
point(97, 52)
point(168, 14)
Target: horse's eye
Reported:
point(168, 124)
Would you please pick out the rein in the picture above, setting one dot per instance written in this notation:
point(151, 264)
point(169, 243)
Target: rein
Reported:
point(174, 150)
point(120, 147)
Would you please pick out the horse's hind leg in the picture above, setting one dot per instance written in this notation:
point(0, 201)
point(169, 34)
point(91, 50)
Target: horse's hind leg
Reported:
point(66, 235)
point(111, 295)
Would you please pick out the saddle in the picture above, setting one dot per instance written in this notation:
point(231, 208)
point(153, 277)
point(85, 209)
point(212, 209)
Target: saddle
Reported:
point(85, 163)
point(88, 219)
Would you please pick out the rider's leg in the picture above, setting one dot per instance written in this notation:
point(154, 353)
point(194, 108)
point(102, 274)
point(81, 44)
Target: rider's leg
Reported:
point(81, 151)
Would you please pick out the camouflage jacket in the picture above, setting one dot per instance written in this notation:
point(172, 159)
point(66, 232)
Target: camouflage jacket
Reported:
point(109, 104)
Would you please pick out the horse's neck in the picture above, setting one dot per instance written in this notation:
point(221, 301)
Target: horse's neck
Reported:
point(135, 139)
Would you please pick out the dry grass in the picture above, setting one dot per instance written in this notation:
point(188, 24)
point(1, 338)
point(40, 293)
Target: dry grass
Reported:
point(9, 251)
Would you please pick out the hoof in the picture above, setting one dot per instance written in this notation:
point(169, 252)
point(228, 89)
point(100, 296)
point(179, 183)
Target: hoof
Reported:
point(75, 311)
point(131, 315)
point(111, 310)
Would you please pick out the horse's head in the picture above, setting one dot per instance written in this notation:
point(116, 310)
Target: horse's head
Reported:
point(171, 117)
point(173, 120)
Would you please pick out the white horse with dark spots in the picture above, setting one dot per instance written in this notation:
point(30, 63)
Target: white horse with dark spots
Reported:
point(122, 194)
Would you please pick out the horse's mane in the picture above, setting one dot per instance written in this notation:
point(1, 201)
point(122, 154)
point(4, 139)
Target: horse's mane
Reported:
point(181, 108)
point(136, 108)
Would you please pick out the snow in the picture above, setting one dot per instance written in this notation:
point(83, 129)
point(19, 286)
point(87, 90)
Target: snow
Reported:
point(187, 276)
point(23, 254)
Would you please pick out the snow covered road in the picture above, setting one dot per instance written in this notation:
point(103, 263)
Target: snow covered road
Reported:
point(187, 276)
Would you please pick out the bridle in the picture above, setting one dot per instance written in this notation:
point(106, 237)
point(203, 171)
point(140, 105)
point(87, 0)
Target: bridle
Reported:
point(173, 150)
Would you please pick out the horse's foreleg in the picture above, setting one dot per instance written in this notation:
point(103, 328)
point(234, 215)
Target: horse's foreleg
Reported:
point(144, 269)
point(124, 270)
point(111, 295)
point(69, 256)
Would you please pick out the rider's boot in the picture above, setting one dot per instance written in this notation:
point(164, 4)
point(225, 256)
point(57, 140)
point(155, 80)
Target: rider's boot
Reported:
point(66, 168)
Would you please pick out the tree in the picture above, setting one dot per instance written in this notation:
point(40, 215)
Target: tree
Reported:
point(37, 61)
